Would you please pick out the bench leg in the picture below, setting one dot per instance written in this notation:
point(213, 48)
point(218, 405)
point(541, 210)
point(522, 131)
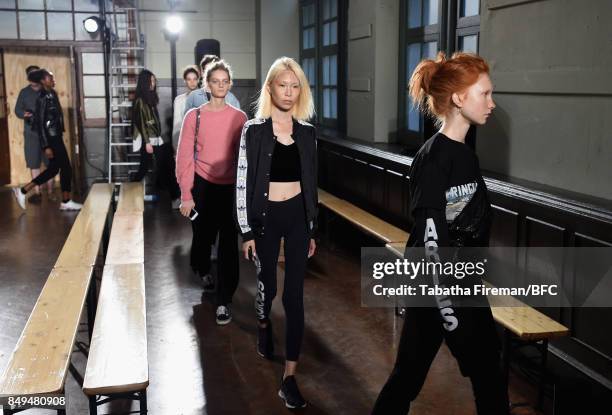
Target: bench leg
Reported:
point(506, 355)
point(91, 306)
point(143, 402)
point(544, 351)
point(93, 407)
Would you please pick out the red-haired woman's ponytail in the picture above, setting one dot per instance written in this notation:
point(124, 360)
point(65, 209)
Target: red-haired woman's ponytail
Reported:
point(434, 81)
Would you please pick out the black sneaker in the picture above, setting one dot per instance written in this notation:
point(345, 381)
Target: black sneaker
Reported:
point(224, 315)
point(265, 341)
point(208, 283)
point(290, 393)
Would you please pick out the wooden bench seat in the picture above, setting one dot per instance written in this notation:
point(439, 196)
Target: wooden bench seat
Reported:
point(118, 353)
point(85, 238)
point(364, 220)
point(131, 199)
point(42, 354)
point(117, 366)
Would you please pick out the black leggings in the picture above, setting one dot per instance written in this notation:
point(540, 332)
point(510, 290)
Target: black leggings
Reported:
point(60, 163)
point(214, 204)
point(165, 167)
point(475, 345)
point(286, 220)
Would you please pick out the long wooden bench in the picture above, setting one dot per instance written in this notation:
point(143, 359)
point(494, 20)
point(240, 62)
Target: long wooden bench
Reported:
point(117, 365)
point(365, 221)
point(41, 358)
point(521, 323)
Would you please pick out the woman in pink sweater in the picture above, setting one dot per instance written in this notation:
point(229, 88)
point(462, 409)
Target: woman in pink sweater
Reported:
point(206, 163)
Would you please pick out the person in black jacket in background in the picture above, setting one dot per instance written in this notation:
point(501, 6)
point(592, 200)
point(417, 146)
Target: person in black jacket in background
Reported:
point(49, 122)
point(276, 197)
point(450, 208)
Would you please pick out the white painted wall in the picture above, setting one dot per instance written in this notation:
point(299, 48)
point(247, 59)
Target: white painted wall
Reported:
point(231, 22)
point(280, 34)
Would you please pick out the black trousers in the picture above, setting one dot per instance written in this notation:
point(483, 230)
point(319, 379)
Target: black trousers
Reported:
point(285, 220)
point(60, 163)
point(214, 204)
point(165, 167)
point(475, 345)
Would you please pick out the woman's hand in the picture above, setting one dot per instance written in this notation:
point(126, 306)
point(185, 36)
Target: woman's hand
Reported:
point(312, 248)
point(249, 245)
point(149, 148)
point(186, 206)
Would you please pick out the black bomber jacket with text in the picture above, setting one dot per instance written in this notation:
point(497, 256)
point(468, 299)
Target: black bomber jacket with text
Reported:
point(253, 174)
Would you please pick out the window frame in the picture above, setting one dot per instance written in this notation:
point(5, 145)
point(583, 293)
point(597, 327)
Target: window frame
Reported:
point(319, 52)
point(446, 32)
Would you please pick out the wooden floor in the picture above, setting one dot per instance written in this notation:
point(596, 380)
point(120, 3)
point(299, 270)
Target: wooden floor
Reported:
point(199, 368)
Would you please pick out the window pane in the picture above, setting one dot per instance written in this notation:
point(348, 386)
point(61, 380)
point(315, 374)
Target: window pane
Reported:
point(333, 70)
point(308, 66)
point(59, 4)
point(94, 108)
point(413, 57)
point(31, 25)
point(468, 43)
point(8, 25)
point(81, 34)
point(430, 14)
point(32, 4)
point(7, 4)
point(334, 103)
point(308, 41)
point(93, 63)
point(308, 15)
point(330, 9)
point(469, 8)
point(86, 6)
point(414, 13)
point(334, 33)
point(59, 26)
point(326, 70)
point(326, 103)
point(430, 49)
point(93, 86)
point(330, 33)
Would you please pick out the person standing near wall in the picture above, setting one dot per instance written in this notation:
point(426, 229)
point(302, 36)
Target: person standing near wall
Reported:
point(206, 171)
point(202, 96)
point(191, 75)
point(146, 130)
point(450, 207)
point(276, 197)
point(49, 121)
point(24, 109)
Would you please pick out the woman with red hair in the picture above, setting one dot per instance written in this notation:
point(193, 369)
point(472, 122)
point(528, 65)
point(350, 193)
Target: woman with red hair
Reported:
point(450, 208)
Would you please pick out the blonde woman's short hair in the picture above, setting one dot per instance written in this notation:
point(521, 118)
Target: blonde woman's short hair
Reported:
point(304, 107)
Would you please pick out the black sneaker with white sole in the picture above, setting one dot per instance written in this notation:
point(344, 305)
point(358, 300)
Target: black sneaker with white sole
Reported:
point(290, 393)
point(265, 341)
point(224, 315)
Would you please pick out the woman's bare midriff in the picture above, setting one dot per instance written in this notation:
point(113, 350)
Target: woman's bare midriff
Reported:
point(281, 191)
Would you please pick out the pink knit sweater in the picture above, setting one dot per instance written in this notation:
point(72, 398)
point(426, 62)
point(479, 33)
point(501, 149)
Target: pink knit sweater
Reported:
point(217, 147)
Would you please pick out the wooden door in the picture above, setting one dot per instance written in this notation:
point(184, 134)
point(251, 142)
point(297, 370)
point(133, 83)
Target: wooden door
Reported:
point(55, 60)
point(5, 160)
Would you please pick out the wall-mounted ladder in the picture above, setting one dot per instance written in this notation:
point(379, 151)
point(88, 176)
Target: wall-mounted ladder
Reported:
point(126, 60)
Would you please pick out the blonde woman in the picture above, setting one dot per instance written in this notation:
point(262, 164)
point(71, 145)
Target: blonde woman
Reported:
point(276, 197)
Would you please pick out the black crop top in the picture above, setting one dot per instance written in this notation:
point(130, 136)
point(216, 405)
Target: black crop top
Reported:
point(285, 165)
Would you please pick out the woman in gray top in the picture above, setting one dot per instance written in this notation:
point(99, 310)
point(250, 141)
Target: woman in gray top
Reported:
point(24, 109)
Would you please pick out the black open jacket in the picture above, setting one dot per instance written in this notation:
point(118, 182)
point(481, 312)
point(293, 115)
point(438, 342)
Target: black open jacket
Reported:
point(49, 118)
point(253, 175)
